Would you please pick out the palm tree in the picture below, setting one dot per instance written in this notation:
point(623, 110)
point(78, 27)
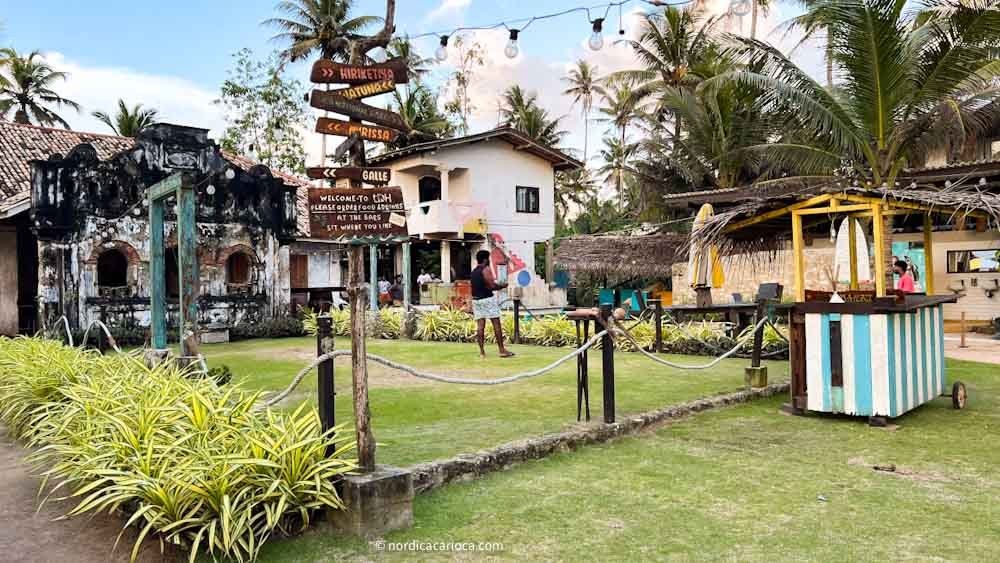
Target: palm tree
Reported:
point(26, 88)
point(317, 26)
point(912, 84)
point(621, 111)
point(616, 155)
point(574, 190)
point(583, 86)
point(403, 48)
point(418, 108)
point(128, 122)
point(520, 110)
point(675, 48)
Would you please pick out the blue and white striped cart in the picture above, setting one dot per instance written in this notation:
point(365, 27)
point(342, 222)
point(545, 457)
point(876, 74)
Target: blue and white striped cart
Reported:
point(879, 359)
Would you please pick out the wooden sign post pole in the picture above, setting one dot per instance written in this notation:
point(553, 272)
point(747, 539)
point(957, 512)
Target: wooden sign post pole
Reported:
point(356, 268)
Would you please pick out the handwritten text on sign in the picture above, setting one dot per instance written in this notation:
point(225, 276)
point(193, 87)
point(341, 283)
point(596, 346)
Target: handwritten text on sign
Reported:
point(350, 213)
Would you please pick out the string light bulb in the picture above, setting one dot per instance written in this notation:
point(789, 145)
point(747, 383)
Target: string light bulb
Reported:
point(597, 38)
point(442, 51)
point(512, 49)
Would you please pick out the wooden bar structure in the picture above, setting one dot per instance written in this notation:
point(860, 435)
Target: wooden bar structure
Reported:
point(881, 353)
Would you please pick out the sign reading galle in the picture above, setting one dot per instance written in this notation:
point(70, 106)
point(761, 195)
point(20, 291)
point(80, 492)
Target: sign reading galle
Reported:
point(355, 213)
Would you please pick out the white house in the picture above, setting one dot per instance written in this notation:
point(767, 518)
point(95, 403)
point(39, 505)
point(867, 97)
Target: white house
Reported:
point(492, 190)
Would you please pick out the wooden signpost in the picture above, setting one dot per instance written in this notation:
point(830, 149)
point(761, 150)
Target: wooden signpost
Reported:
point(332, 101)
point(346, 214)
point(329, 126)
point(371, 176)
point(325, 71)
point(362, 91)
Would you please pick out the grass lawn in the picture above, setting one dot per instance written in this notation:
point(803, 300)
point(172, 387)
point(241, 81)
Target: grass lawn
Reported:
point(739, 484)
point(415, 420)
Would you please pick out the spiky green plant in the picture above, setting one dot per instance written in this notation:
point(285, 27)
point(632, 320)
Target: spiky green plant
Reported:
point(190, 462)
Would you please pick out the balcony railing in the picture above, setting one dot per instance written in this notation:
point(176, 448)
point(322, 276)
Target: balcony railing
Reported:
point(438, 216)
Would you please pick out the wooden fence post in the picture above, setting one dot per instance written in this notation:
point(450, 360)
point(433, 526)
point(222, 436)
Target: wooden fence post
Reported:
point(658, 326)
point(608, 365)
point(517, 321)
point(961, 343)
point(325, 382)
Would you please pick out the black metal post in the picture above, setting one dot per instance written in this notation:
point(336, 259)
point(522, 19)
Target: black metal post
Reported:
point(758, 335)
point(658, 326)
point(324, 383)
point(517, 321)
point(608, 365)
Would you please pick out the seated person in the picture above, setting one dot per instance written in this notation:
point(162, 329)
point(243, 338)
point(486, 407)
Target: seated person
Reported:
point(396, 291)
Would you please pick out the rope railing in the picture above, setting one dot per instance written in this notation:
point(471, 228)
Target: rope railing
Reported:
point(739, 344)
point(432, 376)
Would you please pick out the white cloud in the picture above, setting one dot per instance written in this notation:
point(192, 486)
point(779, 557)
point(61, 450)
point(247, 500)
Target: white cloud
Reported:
point(98, 89)
point(447, 9)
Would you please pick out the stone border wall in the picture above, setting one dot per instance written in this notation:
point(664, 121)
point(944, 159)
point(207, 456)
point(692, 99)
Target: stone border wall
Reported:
point(465, 467)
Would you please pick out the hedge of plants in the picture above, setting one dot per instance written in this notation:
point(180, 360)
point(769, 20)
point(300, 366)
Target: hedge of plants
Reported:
point(453, 325)
point(182, 458)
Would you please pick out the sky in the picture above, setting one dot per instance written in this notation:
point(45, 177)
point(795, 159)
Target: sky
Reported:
point(174, 55)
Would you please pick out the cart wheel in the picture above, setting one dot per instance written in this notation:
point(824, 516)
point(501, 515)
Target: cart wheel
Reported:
point(958, 395)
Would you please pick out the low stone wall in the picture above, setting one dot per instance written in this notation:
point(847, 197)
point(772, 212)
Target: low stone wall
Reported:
point(465, 467)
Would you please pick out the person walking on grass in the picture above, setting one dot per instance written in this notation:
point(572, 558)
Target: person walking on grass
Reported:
point(485, 304)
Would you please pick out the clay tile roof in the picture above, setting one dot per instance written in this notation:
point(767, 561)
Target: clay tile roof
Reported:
point(20, 144)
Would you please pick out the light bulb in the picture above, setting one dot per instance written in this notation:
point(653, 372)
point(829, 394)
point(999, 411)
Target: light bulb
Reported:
point(230, 173)
point(597, 38)
point(442, 52)
point(512, 49)
point(210, 190)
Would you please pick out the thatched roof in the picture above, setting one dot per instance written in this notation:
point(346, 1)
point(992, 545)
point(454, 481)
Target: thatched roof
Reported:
point(650, 255)
point(775, 233)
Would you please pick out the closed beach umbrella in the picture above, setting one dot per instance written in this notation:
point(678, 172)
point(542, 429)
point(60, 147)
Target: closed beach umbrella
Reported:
point(704, 268)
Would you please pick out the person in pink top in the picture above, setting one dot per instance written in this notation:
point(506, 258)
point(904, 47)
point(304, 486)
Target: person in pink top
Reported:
point(905, 283)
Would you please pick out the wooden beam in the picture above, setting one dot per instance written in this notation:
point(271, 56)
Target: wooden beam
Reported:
point(928, 255)
point(157, 275)
point(798, 248)
point(894, 204)
point(879, 243)
point(165, 188)
point(852, 248)
point(833, 209)
point(777, 213)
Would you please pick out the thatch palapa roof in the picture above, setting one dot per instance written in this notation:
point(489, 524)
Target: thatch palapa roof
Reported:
point(650, 255)
point(766, 226)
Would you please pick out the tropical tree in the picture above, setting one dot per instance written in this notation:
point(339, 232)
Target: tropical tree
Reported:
point(574, 190)
point(676, 48)
point(520, 110)
point(403, 48)
point(616, 156)
point(417, 105)
point(470, 57)
point(325, 27)
point(26, 89)
point(620, 111)
point(265, 113)
point(913, 83)
point(128, 122)
point(583, 86)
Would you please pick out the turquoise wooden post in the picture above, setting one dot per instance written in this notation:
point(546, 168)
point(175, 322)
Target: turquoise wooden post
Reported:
point(156, 194)
point(407, 281)
point(187, 265)
point(373, 276)
point(157, 274)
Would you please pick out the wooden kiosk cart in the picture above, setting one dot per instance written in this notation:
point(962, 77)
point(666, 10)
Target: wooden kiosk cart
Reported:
point(880, 353)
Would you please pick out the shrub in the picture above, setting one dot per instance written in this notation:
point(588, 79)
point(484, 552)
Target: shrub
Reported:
point(276, 327)
point(187, 460)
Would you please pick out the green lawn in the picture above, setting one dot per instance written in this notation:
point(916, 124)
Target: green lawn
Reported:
point(736, 484)
point(417, 421)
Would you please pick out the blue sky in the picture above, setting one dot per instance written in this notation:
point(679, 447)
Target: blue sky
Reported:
point(174, 54)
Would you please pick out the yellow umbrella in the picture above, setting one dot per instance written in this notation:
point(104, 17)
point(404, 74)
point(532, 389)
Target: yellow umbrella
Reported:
point(705, 261)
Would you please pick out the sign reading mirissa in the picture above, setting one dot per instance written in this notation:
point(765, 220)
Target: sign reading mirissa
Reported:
point(356, 213)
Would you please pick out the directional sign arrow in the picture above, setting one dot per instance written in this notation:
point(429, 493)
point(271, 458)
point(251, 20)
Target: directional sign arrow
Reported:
point(327, 71)
point(331, 101)
point(372, 176)
point(346, 129)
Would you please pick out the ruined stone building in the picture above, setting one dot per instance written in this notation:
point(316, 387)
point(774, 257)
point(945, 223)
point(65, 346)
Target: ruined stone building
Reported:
point(74, 229)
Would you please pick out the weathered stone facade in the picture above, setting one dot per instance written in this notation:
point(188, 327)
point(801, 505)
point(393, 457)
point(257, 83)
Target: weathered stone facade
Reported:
point(91, 220)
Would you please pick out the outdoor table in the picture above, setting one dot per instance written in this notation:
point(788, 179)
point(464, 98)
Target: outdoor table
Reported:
point(739, 314)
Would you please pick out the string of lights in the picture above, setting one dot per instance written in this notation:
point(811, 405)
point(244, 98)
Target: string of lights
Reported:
point(516, 26)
